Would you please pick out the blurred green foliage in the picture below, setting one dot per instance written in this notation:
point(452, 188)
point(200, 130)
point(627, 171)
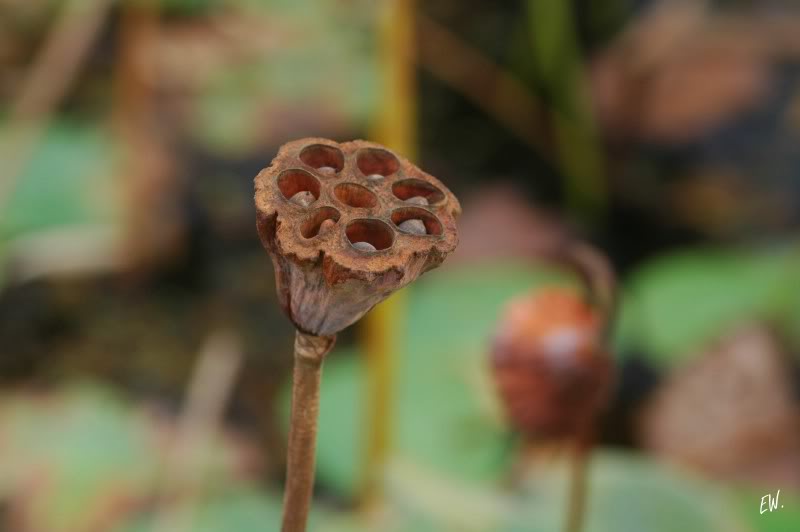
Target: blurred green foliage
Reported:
point(446, 417)
point(451, 448)
point(786, 517)
point(69, 180)
point(627, 493)
point(73, 458)
point(675, 304)
point(239, 509)
point(310, 62)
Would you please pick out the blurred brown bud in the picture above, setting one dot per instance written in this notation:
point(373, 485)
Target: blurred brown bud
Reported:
point(550, 365)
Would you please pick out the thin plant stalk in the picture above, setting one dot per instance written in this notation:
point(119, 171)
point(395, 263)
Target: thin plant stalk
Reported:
point(578, 488)
point(396, 127)
point(558, 64)
point(599, 282)
point(309, 354)
point(598, 277)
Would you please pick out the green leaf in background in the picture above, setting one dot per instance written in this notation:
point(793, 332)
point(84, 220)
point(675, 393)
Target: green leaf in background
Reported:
point(447, 416)
point(242, 509)
point(626, 494)
point(676, 304)
point(341, 432)
point(80, 446)
point(447, 419)
point(69, 180)
point(68, 188)
point(79, 456)
point(449, 438)
point(422, 500)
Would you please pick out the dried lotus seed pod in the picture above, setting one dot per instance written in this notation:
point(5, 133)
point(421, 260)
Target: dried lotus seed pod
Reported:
point(344, 246)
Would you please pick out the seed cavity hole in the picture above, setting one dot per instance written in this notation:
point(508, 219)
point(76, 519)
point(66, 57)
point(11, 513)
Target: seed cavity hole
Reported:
point(299, 186)
point(412, 220)
point(376, 163)
point(413, 189)
point(320, 222)
point(354, 195)
point(327, 160)
point(375, 233)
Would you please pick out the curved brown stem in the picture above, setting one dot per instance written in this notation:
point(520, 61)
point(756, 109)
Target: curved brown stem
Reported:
point(600, 283)
point(309, 353)
point(597, 276)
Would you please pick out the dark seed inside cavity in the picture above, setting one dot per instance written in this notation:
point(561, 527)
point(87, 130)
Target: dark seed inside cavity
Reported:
point(413, 226)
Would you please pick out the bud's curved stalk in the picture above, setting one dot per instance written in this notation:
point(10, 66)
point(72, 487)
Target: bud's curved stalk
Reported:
point(551, 365)
point(600, 282)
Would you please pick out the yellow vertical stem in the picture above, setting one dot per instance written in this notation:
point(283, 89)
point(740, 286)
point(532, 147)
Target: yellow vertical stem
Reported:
point(396, 118)
point(383, 330)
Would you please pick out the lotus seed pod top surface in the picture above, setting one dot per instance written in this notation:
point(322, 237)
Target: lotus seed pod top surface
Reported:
point(334, 231)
